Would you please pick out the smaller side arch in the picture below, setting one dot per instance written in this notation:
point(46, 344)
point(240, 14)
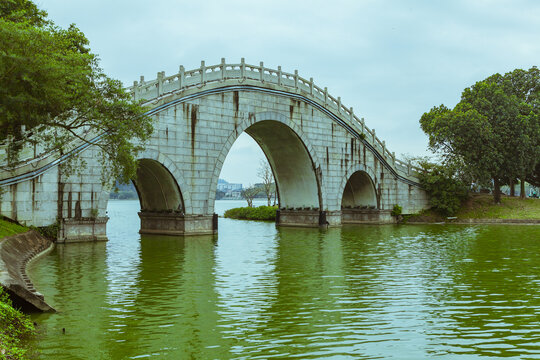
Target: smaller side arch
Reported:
point(170, 166)
point(359, 187)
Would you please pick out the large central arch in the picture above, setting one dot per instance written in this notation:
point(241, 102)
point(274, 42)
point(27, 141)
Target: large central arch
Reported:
point(293, 163)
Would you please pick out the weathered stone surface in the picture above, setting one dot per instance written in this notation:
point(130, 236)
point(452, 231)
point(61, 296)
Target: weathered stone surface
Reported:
point(323, 156)
point(15, 253)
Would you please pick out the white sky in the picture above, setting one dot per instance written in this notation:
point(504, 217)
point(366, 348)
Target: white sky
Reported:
point(390, 60)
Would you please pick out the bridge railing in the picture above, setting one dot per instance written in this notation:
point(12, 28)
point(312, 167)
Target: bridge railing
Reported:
point(165, 85)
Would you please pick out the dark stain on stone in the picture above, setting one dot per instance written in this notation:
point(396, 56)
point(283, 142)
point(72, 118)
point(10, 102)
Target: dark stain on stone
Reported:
point(291, 111)
point(236, 101)
point(78, 210)
point(194, 110)
point(327, 159)
point(70, 200)
point(364, 154)
point(352, 149)
point(167, 132)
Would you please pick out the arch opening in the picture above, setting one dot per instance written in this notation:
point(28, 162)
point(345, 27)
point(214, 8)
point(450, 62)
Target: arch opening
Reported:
point(162, 205)
point(157, 188)
point(293, 169)
point(296, 183)
point(359, 192)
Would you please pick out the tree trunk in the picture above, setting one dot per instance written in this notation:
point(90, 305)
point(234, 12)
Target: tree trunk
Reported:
point(512, 187)
point(522, 189)
point(496, 191)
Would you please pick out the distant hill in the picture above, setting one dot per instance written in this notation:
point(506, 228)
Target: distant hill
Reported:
point(125, 192)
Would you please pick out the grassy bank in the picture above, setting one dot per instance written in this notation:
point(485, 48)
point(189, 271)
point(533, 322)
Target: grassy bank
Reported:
point(252, 213)
point(481, 206)
point(8, 228)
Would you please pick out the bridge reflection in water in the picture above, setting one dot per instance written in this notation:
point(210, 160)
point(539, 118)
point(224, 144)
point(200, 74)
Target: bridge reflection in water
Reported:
point(260, 291)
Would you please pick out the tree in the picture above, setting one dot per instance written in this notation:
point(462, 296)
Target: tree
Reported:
point(55, 94)
point(267, 177)
point(249, 194)
point(492, 134)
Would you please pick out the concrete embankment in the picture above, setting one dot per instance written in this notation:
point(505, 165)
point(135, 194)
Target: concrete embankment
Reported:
point(15, 253)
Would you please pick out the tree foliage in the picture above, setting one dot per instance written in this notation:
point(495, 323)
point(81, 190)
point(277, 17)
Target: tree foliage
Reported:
point(55, 95)
point(445, 189)
point(267, 176)
point(249, 194)
point(15, 329)
point(493, 133)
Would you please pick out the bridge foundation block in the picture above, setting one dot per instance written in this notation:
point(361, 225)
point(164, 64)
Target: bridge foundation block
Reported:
point(366, 216)
point(301, 218)
point(176, 224)
point(83, 229)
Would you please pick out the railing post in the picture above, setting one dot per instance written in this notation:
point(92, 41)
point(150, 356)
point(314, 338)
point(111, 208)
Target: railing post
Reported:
point(181, 77)
point(203, 72)
point(374, 137)
point(279, 75)
point(142, 80)
point(383, 148)
point(296, 79)
point(409, 167)
point(261, 71)
point(222, 67)
point(325, 96)
point(160, 76)
point(394, 157)
point(352, 115)
point(242, 68)
point(311, 85)
point(135, 91)
point(363, 124)
point(339, 104)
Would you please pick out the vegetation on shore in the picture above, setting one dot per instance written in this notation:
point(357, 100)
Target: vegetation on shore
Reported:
point(15, 329)
point(8, 228)
point(252, 213)
point(481, 206)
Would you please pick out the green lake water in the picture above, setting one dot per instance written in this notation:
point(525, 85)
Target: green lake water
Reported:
point(260, 292)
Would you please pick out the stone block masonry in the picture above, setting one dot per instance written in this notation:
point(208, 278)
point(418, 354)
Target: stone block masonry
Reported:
point(327, 163)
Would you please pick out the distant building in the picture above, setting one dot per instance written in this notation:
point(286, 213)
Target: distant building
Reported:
point(230, 190)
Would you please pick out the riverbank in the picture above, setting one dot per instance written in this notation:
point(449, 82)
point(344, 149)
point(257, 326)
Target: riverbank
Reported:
point(479, 208)
point(266, 213)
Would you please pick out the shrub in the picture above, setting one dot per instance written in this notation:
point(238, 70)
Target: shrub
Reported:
point(15, 329)
point(446, 191)
point(252, 213)
point(396, 211)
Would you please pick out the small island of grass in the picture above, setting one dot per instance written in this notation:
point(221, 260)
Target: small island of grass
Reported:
point(266, 213)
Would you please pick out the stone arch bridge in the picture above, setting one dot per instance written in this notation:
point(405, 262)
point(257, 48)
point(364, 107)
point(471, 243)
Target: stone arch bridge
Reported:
point(330, 168)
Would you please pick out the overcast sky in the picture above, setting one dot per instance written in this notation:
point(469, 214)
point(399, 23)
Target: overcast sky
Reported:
point(390, 60)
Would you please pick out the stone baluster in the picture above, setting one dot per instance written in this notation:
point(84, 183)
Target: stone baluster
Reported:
point(181, 77)
point(325, 96)
point(339, 104)
point(394, 157)
point(409, 167)
point(222, 68)
point(261, 71)
point(279, 75)
point(160, 76)
point(374, 136)
point(383, 149)
point(296, 79)
point(311, 85)
point(135, 91)
point(351, 115)
point(203, 72)
point(142, 80)
point(242, 68)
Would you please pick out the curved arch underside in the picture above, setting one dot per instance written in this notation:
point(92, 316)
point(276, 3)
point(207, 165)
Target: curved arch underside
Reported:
point(157, 188)
point(290, 161)
point(359, 191)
